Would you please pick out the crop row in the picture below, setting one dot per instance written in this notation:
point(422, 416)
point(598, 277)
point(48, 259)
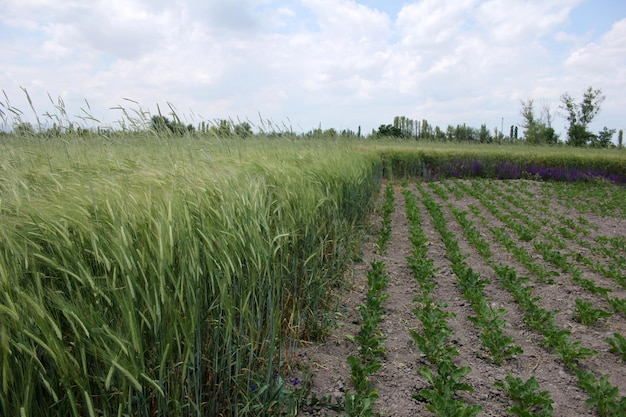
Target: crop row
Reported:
point(443, 375)
point(603, 395)
point(471, 284)
point(369, 342)
point(551, 249)
point(525, 395)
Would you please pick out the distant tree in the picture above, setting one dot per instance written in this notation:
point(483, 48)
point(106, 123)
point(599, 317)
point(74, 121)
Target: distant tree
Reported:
point(498, 136)
point(620, 138)
point(579, 115)
point(314, 133)
point(463, 133)
point(439, 134)
point(426, 131)
point(450, 133)
point(389, 130)
point(349, 133)
point(537, 130)
point(408, 127)
point(162, 124)
point(55, 131)
point(24, 129)
point(484, 134)
point(224, 128)
point(330, 133)
point(603, 138)
point(243, 130)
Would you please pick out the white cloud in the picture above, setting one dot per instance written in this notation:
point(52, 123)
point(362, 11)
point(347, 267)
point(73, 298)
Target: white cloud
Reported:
point(607, 55)
point(517, 21)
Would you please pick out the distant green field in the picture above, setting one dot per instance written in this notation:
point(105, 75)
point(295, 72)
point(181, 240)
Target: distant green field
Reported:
point(157, 275)
point(500, 161)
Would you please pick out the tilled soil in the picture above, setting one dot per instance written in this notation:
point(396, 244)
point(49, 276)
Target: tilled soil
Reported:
point(399, 379)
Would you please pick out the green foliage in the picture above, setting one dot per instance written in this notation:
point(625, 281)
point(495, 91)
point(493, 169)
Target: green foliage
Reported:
point(604, 138)
point(237, 247)
point(472, 234)
point(389, 131)
point(433, 342)
point(539, 318)
point(432, 159)
point(500, 346)
point(543, 320)
point(408, 128)
point(537, 131)
point(359, 375)
point(618, 305)
point(484, 134)
point(529, 401)
point(24, 129)
point(369, 343)
point(579, 115)
point(154, 275)
point(162, 125)
point(441, 398)
point(570, 352)
point(243, 130)
point(360, 404)
point(618, 345)
point(602, 395)
point(388, 208)
point(587, 314)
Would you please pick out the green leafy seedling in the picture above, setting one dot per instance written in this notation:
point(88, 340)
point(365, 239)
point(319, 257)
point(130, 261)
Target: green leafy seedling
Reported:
point(602, 395)
point(500, 346)
point(568, 350)
point(440, 399)
point(587, 314)
point(529, 401)
point(618, 305)
point(618, 345)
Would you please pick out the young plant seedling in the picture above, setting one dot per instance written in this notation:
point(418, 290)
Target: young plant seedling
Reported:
point(529, 401)
point(440, 399)
point(569, 351)
point(602, 395)
point(618, 345)
point(587, 314)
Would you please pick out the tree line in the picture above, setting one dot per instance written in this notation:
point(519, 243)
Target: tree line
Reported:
point(536, 128)
point(404, 127)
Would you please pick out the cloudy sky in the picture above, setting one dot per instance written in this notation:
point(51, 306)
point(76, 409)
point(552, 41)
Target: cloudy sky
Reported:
point(310, 63)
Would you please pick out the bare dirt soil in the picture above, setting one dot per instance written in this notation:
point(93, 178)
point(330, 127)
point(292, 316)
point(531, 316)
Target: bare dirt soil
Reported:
point(399, 378)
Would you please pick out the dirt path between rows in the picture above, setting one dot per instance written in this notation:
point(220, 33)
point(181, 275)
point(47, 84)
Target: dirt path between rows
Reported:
point(399, 378)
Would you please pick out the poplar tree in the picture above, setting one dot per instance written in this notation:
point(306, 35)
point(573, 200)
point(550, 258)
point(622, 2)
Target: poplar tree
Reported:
point(580, 115)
